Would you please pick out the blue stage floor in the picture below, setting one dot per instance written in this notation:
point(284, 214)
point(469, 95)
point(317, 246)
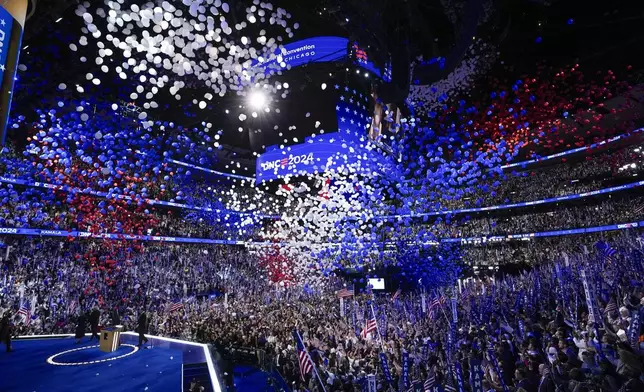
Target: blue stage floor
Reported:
point(26, 368)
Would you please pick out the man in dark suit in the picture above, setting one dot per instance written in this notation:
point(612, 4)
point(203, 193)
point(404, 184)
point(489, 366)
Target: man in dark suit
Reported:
point(94, 319)
point(5, 331)
point(142, 328)
point(116, 319)
point(80, 327)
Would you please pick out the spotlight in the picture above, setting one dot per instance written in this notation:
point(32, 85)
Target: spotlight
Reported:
point(257, 99)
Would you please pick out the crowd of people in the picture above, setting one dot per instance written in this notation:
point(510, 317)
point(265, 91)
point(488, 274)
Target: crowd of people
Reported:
point(589, 214)
point(526, 332)
point(581, 174)
point(555, 314)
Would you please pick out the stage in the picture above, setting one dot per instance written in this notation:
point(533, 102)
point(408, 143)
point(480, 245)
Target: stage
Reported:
point(56, 363)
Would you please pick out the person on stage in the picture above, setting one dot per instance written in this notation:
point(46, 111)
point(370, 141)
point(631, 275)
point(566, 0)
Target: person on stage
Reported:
point(142, 328)
point(5, 331)
point(94, 319)
point(80, 328)
point(116, 319)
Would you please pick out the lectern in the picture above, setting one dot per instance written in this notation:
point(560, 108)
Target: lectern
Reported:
point(111, 338)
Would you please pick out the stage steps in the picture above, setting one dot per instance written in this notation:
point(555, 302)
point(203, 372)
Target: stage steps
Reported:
point(197, 371)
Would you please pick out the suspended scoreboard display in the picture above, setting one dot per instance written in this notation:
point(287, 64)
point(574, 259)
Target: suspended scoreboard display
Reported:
point(318, 50)
point(325, 152)
point(12, 19)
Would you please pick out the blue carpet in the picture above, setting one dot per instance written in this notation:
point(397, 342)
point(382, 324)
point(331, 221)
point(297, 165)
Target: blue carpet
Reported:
point(25, 369)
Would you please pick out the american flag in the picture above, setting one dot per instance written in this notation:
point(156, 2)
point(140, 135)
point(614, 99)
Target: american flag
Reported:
point(608, 252)
point(412, 387)
point(324, 191)
point(429, 383)
point(361, 55)
point(605, 250)
point(434, 305)
point(25, 312)
point(638, 210)
point(371, 326)
point(284, 162)
point(344, 293)
point(72, 307)
point(175, 306)
point(611, 306)
point(396, 294)
point(449, 384)
point(306, 364)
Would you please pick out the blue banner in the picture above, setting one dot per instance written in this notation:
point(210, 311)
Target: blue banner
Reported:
point(306, 158)
point(6, 23)
point(132, 237)
point(454, 312)
point(476, 375)
point(634, 330)
point(371, 383)
point(418, 386)
point(10, 44)
point(522, 329)
point(458, 371)
point(385, 369)
point(497, 369)
point(425, 351)
point(590, 300)
point(405, 369)
point(355, 324)
point(310, 50)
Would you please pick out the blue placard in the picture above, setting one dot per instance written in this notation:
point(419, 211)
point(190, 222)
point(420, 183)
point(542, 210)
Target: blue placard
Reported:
point(6, 22)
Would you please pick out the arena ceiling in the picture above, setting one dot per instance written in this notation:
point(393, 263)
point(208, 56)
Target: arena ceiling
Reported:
point(525, 33)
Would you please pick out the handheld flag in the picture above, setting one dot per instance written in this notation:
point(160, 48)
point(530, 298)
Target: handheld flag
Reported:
point(304, 360)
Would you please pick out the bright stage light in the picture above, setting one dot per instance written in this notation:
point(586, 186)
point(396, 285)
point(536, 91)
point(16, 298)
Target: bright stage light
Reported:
point(257, 99)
